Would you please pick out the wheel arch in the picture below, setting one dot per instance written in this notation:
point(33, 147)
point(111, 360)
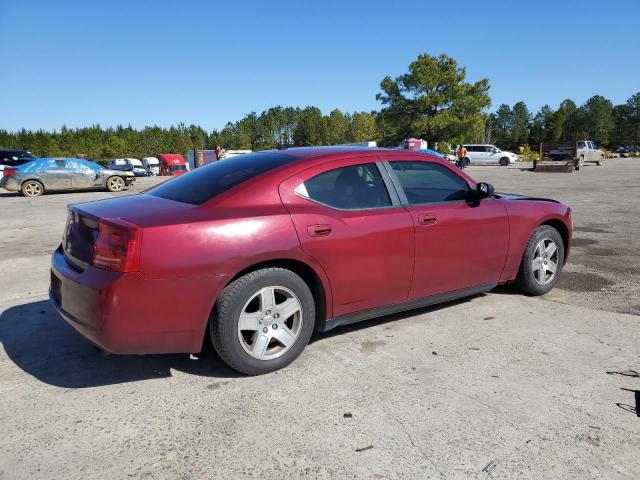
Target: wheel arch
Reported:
point(32, 179)
point(310, 276)
point(560, 226)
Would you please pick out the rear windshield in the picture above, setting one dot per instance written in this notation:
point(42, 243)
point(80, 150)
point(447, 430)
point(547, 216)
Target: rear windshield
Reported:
point(204, 183)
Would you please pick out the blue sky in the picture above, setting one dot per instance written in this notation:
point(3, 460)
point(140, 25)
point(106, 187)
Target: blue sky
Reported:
point(208, 62)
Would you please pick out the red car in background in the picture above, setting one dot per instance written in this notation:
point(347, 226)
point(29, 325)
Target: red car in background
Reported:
point(259, 250)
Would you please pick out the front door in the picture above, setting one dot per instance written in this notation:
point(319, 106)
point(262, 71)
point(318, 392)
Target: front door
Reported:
point(82, 175)
point(459, 242)
point(351, 222)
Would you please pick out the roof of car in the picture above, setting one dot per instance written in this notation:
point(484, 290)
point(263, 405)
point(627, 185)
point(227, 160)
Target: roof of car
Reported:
point(310, 152)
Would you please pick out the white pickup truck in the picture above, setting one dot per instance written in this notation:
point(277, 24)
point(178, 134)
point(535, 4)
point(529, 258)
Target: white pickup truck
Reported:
point(580, 152)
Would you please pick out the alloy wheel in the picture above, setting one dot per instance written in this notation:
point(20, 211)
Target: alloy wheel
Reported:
point(32, 189)
point(116, 184)
point(545, 261)
point(270, 322)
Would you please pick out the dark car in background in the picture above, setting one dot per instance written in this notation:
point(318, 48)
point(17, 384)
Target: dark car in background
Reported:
point(14, 158)
point(128, 165)
point(45, 174)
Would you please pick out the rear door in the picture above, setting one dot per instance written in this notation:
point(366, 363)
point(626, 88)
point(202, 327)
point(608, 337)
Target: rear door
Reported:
point(349, 218)
point(459, 243)
point(483, 155)
point(55, 176)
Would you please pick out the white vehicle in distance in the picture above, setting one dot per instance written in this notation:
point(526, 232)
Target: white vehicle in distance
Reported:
point(152, 165)
point(482, 154)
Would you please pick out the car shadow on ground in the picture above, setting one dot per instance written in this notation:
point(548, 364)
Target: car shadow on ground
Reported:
point(39, 342)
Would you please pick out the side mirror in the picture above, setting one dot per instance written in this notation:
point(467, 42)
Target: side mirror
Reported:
point(485, 190)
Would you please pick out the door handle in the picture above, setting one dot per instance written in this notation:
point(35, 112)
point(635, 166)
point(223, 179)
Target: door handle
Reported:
point(427, 218)
point(319, 230)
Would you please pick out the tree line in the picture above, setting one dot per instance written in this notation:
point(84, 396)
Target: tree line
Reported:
point(277, 127)
point(597, 119)
point(432, 101)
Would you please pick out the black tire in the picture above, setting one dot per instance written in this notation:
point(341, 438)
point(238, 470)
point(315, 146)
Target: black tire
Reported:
point(32, 188)
point(504, 162)
point(223, 324)
point(116, 184)
point(526, 281)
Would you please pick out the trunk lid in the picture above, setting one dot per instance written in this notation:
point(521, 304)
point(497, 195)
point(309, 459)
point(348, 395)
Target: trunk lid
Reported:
point(145, 211)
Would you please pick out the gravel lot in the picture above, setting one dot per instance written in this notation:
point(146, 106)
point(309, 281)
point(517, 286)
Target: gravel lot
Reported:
point(496, 386)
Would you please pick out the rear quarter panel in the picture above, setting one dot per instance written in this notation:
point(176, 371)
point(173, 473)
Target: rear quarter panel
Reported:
point(216, 241)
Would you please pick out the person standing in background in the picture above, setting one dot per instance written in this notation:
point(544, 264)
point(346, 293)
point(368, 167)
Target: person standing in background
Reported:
point(461, 153)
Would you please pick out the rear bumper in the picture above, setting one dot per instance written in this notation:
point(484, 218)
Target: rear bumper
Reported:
point(128, 314)
point(9, 183)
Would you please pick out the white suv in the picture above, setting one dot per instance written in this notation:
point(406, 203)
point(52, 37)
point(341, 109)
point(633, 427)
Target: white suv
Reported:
point(482, 154)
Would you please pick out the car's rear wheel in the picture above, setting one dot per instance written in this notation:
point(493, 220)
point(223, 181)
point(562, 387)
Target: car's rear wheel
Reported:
point(504, 162)
point(115, 184)
point(263, 321)
point(32, 188)
point(542, 262)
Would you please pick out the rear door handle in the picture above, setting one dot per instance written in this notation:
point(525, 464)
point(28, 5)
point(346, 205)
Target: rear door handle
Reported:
point(319, 230)
point(427, 218)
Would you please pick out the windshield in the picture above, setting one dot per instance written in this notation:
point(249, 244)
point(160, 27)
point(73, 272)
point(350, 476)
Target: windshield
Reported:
point(178, 168)
point(204, 183)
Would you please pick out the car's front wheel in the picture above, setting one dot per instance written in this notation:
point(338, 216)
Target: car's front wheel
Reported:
point(263, 321)
point(504, 162)
point(542, 261)
point(115, 184)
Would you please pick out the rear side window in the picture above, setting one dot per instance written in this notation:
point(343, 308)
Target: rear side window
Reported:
point(355, 187)
point(426, 182)
point(204, 183)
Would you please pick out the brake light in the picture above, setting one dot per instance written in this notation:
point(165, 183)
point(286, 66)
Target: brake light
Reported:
point(117, 247)
point(10, 171)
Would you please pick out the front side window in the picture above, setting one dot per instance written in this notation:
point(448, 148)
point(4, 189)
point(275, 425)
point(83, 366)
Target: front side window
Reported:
point(582, 145)
point(355, 187)
point(426, 182)
point(77, 166)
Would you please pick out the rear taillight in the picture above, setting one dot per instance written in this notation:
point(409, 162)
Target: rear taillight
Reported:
point(10, 171)
point(117, 246)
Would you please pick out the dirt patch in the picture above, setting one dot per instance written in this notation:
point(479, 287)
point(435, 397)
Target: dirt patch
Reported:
point(583, 282)
point(582, 242)
point(371, 346)
point(590, 230)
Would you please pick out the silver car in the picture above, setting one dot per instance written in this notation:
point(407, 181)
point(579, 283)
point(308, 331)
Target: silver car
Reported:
point(45, 174)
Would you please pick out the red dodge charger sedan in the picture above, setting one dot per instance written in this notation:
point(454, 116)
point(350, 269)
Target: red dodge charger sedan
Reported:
point(259, 250)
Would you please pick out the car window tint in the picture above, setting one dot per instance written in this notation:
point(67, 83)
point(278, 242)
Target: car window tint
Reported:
point(204, 183)
point(581, 145)
point(57, 165)
point(77, 166)
point(426, 182)
point(355, 187)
